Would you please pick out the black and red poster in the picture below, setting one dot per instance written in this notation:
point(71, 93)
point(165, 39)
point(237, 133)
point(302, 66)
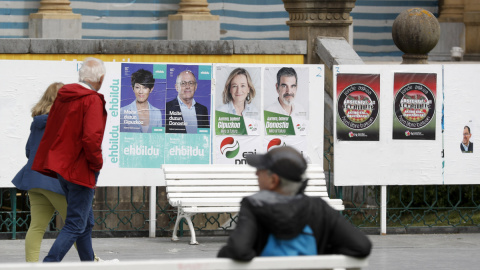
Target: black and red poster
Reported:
point(358, 113)
point(414, 97)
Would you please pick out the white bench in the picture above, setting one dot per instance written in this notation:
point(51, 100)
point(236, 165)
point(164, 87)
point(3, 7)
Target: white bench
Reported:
point(301, 263)
point(217, 188)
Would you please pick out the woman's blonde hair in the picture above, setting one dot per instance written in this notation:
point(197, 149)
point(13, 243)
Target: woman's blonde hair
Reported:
point(45, 103)
point(227, 96)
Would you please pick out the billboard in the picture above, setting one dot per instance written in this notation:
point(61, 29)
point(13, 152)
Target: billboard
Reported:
point(165, 113)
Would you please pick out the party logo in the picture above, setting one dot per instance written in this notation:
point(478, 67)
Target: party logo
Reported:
point(414, 105)
point(229, 147)
point(274, 143)
point(358, 106)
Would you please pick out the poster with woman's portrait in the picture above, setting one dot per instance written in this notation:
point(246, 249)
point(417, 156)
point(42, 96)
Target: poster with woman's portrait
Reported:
point(142, 107)
point(237, 100)
point(142, 98)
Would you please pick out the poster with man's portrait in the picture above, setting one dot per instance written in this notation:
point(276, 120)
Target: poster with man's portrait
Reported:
point(286, 100)
point(466, 146)
point(187, 108)
point(187, 114)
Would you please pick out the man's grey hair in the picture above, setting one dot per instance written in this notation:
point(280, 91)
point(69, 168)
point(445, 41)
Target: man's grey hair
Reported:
point(178, 81)
point(288, 72)
point(92, 70)
point(288, 187)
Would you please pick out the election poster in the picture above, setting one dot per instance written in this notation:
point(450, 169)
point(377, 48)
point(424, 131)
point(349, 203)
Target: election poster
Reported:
point(382, 161)
point(187, 114)
point(466, 146)
point(358, 113)
point(238, 100)
point(142, 105)
point(161, 113)
point(286, 100)
point(461, 124)
point(414, 106)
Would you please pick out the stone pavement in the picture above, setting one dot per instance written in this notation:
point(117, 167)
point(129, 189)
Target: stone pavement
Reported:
point(400, 251)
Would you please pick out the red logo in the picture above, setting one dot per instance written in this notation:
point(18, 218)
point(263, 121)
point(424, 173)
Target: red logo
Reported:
point(274, 143)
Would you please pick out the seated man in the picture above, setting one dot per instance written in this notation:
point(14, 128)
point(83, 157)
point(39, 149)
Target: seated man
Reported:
point(282, 221)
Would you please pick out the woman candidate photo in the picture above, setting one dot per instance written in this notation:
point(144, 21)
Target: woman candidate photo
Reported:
point(140, 116)
point(238, 94)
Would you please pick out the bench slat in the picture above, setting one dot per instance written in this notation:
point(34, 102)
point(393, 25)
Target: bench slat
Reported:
point(191, 189)
point(224, 201)
point(231, 209)
point(226, 182)
point(202, 182)
point(207, 201)
point(318, 262)
point(209, 195)
point(228, 194)
point(226, 175)
point(211, 189)
point(210, 176)
point(201, 210)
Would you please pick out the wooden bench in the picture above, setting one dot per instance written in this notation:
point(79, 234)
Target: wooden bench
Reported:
point(301, 263)
point(217, 188)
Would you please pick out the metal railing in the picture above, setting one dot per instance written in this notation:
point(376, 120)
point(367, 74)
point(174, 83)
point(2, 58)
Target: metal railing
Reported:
point(410, 209)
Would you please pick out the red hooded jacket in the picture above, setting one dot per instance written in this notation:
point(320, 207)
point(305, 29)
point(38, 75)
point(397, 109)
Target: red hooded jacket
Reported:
point(71, 144)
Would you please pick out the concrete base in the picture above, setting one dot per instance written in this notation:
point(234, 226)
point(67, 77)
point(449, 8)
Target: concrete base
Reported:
point(193, 27)
point(58, 26)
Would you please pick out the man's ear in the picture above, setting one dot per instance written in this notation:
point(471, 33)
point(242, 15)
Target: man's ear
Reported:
point(274, 181)
point(276, 87)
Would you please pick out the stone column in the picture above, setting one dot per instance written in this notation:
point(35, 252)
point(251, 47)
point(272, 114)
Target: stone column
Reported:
point(453, 30)
point(55, 19)
point(451, 11)
point(471, 18)
point(193, 22)
point(309, 19)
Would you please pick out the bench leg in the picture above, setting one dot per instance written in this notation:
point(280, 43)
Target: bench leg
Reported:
point(188, 218)
point(193, 240)
point(177, 222)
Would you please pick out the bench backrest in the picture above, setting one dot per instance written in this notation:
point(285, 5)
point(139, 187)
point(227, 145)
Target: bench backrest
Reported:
point(217, 185)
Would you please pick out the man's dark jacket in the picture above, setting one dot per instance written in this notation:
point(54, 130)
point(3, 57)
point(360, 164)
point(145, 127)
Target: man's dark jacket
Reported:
point(174, 106)
point(268, 212)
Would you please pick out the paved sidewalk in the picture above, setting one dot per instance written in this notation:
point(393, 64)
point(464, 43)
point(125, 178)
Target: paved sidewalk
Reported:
point(414, 251)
